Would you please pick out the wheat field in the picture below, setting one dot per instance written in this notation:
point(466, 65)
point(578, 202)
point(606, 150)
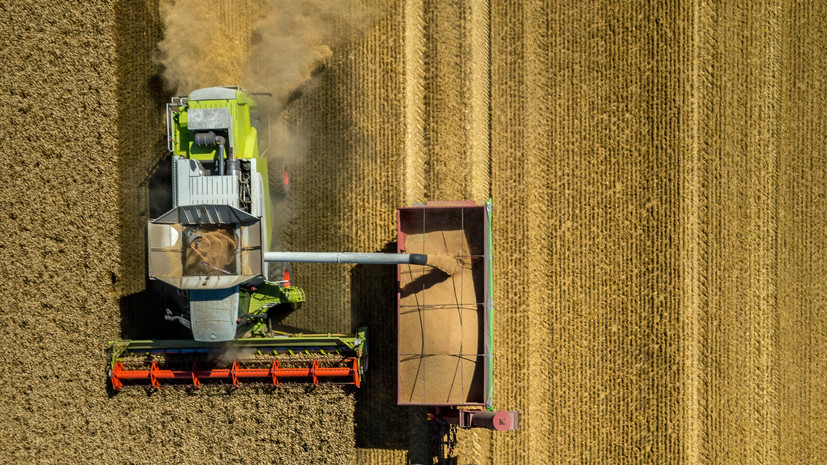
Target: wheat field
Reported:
point(660, 221)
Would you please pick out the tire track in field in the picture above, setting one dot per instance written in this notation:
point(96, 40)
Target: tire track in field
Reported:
point(415, 152)
point(478, 85)
point(446, 99)
point(695, 219)
point(540, 219)
point(764, 79)
point(740, 340)
point(447, 105)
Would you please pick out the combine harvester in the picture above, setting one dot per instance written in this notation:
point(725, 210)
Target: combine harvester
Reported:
point(208, 259)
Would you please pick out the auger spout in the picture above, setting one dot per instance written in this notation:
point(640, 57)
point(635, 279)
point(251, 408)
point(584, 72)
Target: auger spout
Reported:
point(347, 257)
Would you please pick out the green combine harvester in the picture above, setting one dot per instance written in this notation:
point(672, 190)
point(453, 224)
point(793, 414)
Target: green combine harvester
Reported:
point(207, 259)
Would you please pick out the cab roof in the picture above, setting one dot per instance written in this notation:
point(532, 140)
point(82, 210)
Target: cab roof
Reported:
point(214, 93)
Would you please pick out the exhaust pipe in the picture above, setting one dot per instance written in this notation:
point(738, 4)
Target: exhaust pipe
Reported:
point(204, 139)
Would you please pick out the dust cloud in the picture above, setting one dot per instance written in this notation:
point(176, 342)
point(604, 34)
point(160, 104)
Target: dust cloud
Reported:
point(274, 47)
point(446, 263)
